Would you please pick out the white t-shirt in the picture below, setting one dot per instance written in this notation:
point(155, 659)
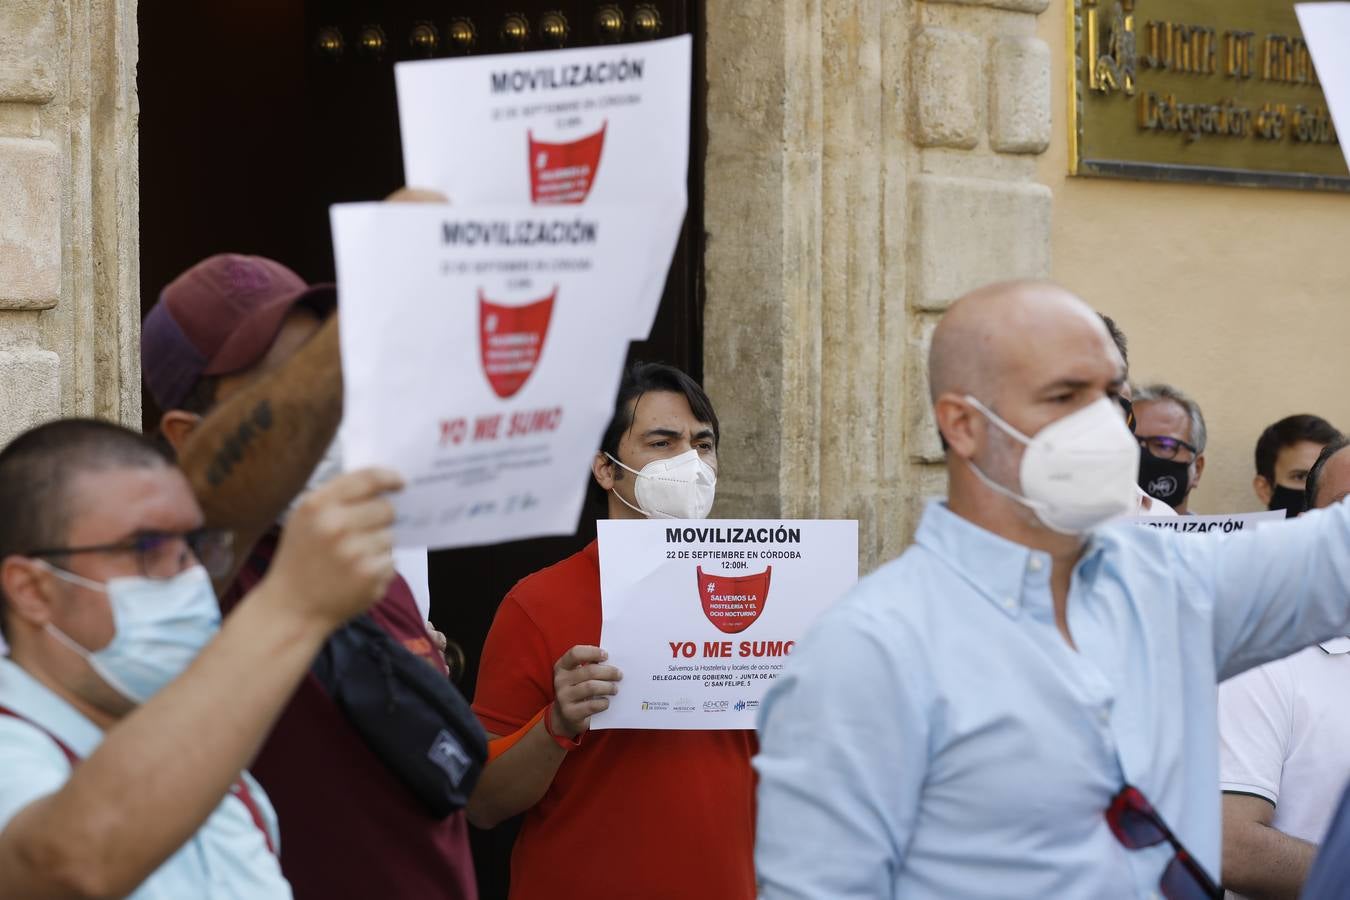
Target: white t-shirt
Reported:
point(1284, 735)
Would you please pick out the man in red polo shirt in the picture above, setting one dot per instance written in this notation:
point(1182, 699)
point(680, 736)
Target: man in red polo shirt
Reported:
point(243, 357)
point(656, 815)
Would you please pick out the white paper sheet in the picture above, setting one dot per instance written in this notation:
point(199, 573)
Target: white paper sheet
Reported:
point(482, 349)
point(1218, 524)
point(1326, 29)
point(411, 563)
point(595, 124)
point(589, 126)
point(700, 616)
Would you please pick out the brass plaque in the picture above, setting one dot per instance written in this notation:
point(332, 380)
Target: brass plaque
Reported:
point(1218, 91)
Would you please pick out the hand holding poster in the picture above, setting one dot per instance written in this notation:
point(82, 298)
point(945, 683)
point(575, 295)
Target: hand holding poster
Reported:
point(481, 351)
point(700, 616)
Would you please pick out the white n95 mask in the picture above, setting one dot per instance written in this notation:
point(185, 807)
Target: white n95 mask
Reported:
point(1077, 472)
point(161, 624)
point(682, 487)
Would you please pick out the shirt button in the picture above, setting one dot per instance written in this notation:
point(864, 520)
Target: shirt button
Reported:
point(1009, 603)
point(1035, 565)
point(1104, 716)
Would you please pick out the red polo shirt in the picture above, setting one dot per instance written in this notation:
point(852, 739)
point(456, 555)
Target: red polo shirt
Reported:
point(657, 815)
point(349, 828)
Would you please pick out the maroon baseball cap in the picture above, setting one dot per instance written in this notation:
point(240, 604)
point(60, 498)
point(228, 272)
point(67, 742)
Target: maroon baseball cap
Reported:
point(220, 317)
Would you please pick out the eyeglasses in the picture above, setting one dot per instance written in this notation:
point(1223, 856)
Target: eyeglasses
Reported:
point(1126, 405)
point(163, 554)
point(1166, 447)
point(1137, 825)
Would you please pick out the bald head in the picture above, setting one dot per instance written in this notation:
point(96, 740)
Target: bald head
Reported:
point(1007, 361)
point(994, 329)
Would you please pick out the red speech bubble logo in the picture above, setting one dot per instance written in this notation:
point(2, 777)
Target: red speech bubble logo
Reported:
point(512, 339)
point(563, 173)
point(733, 602)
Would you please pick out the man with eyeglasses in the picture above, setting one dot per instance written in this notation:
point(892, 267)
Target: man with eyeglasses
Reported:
point(1023, 704)
point(128, 710)
point(1171, 432)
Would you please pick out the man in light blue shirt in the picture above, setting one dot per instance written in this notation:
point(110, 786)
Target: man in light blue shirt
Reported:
point(127, 711)
point(231, 851)
point(958, 726)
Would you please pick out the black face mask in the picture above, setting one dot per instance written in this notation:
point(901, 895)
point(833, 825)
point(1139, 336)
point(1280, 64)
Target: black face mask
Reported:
point(1291, 500)
point(1164, 479)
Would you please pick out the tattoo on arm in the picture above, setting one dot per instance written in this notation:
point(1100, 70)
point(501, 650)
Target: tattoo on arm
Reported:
point(231, 451)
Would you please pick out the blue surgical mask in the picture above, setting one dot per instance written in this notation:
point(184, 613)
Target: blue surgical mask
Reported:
point(161, 625)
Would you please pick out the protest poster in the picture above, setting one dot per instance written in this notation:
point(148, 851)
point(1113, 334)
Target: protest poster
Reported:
point(481, 349)
point(1219, 524)
point(603, 124)
point(1326, 30)
point(700, 616)
point(595, 125)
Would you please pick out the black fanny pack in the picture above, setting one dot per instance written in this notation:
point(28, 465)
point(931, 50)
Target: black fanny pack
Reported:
point(410, 715)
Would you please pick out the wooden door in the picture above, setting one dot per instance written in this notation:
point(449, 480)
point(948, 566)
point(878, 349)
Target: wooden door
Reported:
point(258, 114)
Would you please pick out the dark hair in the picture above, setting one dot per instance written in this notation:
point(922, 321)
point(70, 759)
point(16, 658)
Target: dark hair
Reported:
point(1151, 393)
point(37, 468)
point(1336, 445)
point(1119, 337)
point(199, 400)
point(1287, 432)
point(645, 378)
point(201, 397)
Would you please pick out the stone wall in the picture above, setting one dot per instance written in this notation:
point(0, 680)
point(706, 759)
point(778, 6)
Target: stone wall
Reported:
point(69, 292)
point(867, 163)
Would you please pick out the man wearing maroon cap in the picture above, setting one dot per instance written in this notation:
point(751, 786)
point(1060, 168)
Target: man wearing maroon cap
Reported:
point(242, 357)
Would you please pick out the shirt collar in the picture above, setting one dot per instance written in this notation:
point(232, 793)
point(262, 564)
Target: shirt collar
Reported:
point(27, 696)
point(992, 565)
point(998, 568)
point(1336, 646)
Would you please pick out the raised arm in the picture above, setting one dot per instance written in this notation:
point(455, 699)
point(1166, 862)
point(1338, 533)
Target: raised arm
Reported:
point(161, 771)
point(1275, 590)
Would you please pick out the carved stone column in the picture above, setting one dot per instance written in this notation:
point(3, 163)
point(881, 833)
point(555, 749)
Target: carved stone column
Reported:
point(868, 162)
point(69, 289)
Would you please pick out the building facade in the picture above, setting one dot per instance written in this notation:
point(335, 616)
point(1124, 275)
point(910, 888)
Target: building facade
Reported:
point(69, 283)
point(889, 155)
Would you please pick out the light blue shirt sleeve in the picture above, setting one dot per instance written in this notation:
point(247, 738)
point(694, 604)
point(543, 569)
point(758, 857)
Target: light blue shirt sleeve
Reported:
point(844, 751)
point(31, 767)
point(1275, 590)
